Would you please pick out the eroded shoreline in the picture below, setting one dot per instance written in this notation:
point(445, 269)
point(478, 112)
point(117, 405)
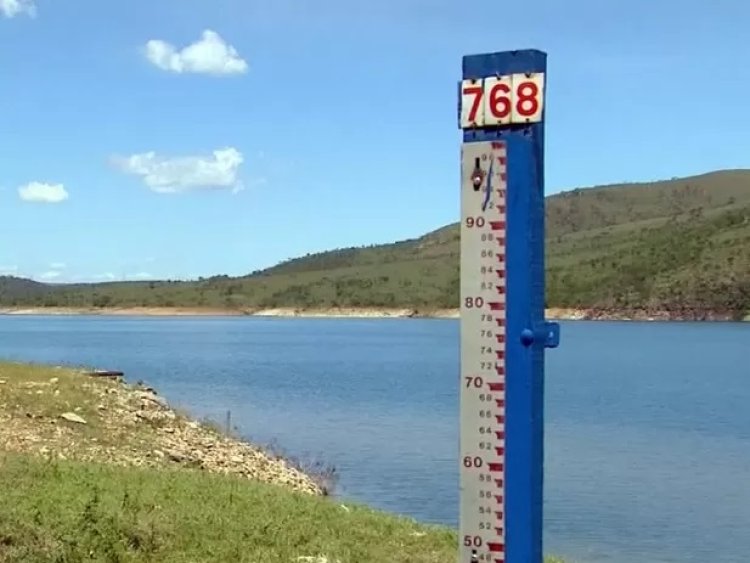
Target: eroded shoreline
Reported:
point(67, 413)
point(553, 313)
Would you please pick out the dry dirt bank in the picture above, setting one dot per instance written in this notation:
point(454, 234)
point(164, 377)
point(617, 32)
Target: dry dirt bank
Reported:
point(65, 414)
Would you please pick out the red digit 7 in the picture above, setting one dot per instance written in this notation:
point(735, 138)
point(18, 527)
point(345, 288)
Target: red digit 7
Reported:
point(476, 91)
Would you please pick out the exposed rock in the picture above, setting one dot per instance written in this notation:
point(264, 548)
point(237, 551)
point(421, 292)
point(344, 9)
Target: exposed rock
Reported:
point(72, 417)
point(149, 397)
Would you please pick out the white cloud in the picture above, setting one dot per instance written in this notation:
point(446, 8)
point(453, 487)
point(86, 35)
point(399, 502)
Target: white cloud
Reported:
point(57, 266)
point(51, 275)
point(180, 174)
point(41, 192)
point(12, 8)
point(8, 270)
point(139, 276)
point(210, 55)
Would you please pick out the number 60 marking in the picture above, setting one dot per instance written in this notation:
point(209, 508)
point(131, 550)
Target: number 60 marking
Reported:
point(503, 100)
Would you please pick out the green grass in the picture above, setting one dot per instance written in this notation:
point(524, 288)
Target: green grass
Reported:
point(680, 245)
point(64, 511)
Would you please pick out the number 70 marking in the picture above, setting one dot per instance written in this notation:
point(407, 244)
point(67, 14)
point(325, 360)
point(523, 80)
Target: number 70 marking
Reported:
point(503, 100)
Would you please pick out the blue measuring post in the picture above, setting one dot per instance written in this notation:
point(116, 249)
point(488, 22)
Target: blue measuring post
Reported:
point(503, 329)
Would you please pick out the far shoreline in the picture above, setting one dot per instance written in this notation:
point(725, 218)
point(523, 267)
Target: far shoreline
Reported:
point(553, 313)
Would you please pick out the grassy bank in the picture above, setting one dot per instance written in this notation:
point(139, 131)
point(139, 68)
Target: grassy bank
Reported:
point(64, 511)
point(97, 470)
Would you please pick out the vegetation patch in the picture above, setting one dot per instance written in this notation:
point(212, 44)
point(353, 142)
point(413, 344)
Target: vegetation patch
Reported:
point(673, 249)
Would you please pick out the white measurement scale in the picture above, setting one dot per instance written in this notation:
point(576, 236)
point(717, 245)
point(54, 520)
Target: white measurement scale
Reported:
point(483, 291)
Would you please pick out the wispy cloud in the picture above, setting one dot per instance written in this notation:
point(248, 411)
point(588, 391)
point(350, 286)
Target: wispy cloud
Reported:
point(41, 192)
point(13, 8)
point(209, 55)
point(179, 174)
point(50, 275)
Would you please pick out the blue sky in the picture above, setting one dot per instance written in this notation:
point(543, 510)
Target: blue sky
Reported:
point(299, 126)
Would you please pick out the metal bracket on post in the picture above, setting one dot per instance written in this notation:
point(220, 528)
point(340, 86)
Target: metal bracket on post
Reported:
point(503, 331)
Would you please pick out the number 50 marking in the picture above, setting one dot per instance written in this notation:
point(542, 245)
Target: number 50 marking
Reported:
point(503, 100)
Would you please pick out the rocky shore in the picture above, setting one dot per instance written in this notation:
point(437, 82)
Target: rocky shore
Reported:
point(70, 414)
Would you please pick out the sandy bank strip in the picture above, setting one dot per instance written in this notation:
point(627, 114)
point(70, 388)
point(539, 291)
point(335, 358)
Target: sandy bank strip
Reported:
point(349, 312)
point(124, 311)
point(204, 312)
point(555, 313)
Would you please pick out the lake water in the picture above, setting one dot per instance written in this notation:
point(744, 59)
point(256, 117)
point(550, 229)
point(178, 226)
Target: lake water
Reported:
point(647, 424)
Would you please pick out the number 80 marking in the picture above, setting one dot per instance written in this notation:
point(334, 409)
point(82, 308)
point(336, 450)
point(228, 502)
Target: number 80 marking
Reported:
point(504, 100)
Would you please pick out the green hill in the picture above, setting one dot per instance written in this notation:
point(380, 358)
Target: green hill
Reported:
point(680, 245)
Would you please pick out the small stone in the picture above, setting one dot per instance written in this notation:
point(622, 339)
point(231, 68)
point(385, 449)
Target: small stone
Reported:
point(72, 417)
point(3, 381)
point(54, 380)
point(39, 392)
point(151, 398)
point(177, 456)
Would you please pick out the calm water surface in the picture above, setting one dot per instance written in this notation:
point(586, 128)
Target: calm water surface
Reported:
point(647, 436)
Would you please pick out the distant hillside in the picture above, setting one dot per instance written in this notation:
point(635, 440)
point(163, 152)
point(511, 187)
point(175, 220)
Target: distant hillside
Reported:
point(680, 245)
point(13, 288)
